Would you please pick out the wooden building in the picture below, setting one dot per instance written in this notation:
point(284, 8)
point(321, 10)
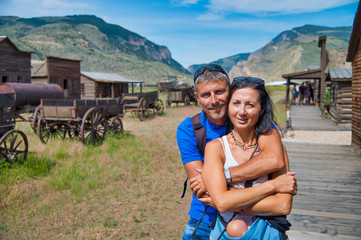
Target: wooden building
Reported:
point(354, 56)
point(14, 64)
point(320, 75)
point(340, 89)
point(61, 71)
point(104, 85)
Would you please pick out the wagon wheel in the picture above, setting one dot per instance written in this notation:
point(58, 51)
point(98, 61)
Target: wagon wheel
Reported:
point(35, 118)
point(93, 127)
point(187, 100)
point(169, 102)
point(159, 107)
point(46, 131)
point(116, 125)
point(13, 146)
point(73, 131)
point(143, 109)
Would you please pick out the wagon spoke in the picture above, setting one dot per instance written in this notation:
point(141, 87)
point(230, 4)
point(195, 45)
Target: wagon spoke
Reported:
point(14, 144)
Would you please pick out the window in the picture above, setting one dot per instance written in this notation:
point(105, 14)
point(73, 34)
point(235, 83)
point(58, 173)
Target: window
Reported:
point(4, 79)
point(19, 79)
point(82, 89)
point(65, 84)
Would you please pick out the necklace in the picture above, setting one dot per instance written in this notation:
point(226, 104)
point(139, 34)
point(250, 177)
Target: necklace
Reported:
point(243, 146)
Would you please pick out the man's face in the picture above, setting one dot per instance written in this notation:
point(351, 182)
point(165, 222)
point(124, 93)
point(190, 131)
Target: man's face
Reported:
point(213, 98)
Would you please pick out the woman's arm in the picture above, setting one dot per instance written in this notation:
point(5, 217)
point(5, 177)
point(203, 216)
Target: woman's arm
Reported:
point(229, 200)
point(276, 204)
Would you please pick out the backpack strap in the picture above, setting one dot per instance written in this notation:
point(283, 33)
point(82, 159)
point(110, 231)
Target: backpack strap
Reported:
point(201, 136)
point(199, 132)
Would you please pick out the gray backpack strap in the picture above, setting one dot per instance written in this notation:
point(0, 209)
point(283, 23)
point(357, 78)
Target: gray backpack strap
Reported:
point(199, 132)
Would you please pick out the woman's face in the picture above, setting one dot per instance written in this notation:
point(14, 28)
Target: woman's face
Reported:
point(244, 108)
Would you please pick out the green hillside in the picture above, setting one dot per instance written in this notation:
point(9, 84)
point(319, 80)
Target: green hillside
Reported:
point(99, 45)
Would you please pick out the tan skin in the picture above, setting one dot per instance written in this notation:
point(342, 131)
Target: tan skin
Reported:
point(269, 198)
point(212, 96)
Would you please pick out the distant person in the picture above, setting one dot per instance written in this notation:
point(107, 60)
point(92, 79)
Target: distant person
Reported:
point(251, 113)
point(294, 95)
point(211, 90)
point(302, 91)
point(310, 94)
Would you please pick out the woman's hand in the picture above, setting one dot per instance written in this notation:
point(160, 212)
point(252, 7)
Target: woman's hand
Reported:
point(285, 183)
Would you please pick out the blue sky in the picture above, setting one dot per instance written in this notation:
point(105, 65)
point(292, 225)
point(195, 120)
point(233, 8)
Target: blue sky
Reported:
point(198, 31)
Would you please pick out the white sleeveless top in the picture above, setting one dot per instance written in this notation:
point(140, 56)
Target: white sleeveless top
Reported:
point(231, 162)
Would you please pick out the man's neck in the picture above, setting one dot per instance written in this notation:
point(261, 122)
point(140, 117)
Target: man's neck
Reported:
point(218, 122)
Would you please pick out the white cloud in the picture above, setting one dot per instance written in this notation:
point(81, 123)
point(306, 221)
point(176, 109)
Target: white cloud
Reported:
point(52, 4)
point(274, 6)
point(210, 17)
point(28, 8)
point(185, 2)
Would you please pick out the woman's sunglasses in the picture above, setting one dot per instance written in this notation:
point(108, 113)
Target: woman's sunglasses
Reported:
point(255, 80)
point(210, 67)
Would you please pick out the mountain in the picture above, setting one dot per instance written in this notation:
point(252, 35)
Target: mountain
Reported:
point(291, 51)
point(99, 45)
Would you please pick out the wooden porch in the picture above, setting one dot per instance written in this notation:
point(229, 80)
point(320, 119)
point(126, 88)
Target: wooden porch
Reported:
point(329, 180)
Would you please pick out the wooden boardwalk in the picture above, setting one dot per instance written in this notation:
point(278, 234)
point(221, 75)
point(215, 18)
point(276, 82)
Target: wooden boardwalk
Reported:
point(329, 180)
point(329, 183)
point(309, 118)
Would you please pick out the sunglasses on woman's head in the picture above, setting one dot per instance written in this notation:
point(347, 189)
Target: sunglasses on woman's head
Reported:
point(255, 80)
point(210, 67)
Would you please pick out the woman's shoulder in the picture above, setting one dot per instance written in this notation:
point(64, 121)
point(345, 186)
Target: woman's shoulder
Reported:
point(215, 143)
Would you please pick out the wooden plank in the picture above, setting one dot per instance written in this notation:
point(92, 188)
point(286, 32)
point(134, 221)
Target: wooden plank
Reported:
point(329, 183)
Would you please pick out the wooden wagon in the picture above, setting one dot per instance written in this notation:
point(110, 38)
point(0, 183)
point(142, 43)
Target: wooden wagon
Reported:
point(13, 143)
point(142, 103)
point(165, 86)
point(181, 94)
point(87, 119)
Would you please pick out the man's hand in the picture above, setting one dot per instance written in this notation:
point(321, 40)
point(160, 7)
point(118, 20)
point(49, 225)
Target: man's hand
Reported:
point(206, 199)
point(197, 185)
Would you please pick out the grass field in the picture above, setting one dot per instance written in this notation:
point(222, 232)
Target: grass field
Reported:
point(127, 188)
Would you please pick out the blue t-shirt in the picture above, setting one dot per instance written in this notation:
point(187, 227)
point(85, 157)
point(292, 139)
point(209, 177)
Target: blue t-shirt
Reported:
point(187, 144)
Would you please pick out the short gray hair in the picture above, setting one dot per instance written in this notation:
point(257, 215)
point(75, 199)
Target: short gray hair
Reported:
point(209, 76)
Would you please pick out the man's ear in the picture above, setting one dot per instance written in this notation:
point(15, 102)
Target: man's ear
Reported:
point(195, 94)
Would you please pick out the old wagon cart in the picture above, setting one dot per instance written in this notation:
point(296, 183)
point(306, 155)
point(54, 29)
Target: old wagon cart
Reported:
point(13, 143)
point(27, 98)
point(142, 103)
point(88, 119)
point(165, 86)
point(181, 94)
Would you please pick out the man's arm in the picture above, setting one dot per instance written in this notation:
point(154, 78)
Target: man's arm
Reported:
point(269, 160)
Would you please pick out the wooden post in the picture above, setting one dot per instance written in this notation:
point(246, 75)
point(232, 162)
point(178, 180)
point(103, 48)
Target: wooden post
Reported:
point(288, 92)
point(322, 45)
point(112, 89)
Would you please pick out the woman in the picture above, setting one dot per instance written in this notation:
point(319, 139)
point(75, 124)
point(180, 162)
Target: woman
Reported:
point(250, 110)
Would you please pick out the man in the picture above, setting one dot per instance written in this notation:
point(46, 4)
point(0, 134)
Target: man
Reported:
point(211, 90)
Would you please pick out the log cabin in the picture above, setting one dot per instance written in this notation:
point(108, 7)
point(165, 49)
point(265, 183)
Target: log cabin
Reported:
point(14, 63)
point(61, 71)
point(104, 85)
point(354, 56)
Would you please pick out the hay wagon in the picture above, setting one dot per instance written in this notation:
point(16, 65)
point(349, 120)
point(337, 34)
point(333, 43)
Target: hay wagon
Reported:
point(181, 94)
point(142, 104)
point(13, 143)
point(88, 119)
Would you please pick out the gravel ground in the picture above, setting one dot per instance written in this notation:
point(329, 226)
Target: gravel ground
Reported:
point(325, 137)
